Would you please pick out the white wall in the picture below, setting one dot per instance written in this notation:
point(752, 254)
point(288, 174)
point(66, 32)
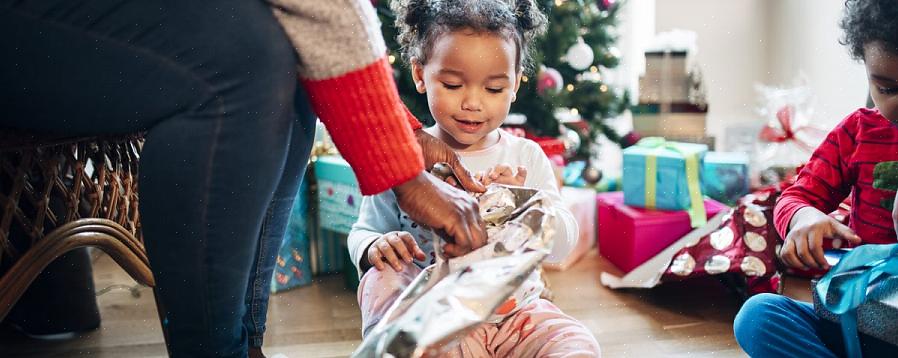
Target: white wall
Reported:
point(805, 38)
point(743, 42)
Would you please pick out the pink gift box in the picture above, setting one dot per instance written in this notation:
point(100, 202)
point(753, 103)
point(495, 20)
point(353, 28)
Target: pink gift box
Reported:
point(629, 236)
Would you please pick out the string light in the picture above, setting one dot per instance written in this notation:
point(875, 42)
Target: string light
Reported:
point(570, 88)
point(603, 88)
point(524, 79)
point(559, 2)
point(593, 69)
point(574, 111)
point(391, 58)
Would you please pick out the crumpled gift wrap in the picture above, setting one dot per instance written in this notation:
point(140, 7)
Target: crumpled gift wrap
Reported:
point(453, 296)
point(742, 241)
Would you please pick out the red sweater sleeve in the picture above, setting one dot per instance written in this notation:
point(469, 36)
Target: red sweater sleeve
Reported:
point(825, 181)
point(369, 125)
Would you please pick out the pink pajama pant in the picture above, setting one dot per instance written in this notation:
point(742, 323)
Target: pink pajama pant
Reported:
point(537, 330)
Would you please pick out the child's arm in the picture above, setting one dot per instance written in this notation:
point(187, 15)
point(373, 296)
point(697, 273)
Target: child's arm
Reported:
point(378, 215)
point(541, 176)
point(800, 213)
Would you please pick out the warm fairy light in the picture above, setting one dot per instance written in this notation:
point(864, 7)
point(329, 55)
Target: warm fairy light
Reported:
point(391, 58)
point(574, 111)
point(603, 88)
point(593, 69)
point(570, 88)
point(524, 79)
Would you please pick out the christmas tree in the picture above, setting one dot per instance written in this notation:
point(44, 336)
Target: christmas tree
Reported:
point(577, 49)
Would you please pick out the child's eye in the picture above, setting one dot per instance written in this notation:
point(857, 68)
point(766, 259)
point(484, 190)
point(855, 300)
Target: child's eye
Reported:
point(890, 90)
point(451, 87)
point(495, 90)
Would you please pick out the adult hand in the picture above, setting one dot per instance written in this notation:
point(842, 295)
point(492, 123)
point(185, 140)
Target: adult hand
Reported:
point(432, 202)
point(803, 247)
point(435, 151)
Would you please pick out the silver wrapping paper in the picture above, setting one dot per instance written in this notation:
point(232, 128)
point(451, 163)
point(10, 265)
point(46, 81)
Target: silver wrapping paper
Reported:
point(454, 296)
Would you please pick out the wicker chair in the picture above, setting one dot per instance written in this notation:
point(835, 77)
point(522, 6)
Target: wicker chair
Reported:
point(61, 193)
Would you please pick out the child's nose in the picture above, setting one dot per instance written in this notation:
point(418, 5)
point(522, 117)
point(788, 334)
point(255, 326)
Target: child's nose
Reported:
point(471, 102)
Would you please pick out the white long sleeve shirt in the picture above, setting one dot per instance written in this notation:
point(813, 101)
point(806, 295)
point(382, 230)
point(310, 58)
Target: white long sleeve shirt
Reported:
point(380, 213)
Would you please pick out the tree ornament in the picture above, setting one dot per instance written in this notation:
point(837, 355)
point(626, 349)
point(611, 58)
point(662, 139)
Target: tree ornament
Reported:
point(549, 80)
point(571, 140)
point(606, 5)
point(591, 175)
point(580, 55)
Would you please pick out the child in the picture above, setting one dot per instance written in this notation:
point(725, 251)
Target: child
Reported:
point(859, 157)
point(468, 56)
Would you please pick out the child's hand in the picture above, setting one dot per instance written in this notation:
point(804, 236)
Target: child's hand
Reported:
point(504, 174)
point(803, 247)
point(394, 248)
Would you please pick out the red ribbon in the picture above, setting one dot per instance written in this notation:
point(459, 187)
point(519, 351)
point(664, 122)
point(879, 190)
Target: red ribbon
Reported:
point(785, 132)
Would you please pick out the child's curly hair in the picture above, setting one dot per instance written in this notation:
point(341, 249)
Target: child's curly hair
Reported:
point(867, 21)
point(421, 22)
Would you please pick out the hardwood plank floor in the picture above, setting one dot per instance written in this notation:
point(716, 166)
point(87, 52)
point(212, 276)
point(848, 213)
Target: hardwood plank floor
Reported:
point(322, 320)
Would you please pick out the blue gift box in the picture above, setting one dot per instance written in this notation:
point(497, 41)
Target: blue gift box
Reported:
point(725, 176)
point(293, 267)
point(339, 198)
point(655, 176)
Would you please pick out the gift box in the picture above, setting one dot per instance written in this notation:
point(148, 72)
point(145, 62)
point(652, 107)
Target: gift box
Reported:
point(293, 268)
point(861, 296)
point(658, 174)
point(877, 317)
point(339, 198)
point(581, 203)
point(725, 176)
point(628, 236)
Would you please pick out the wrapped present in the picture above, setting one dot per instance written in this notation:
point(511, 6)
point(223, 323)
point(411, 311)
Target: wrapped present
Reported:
point(725, 176)
point(789, 138)
point(629, 236)
point(860, 293)
point(582, 204)
point(293, 268)
point(456, 295)
point(736, 244)
point(339, 198)
point(658, 174)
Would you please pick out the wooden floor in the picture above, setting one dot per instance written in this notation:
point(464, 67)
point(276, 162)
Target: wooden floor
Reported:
point(322, 320)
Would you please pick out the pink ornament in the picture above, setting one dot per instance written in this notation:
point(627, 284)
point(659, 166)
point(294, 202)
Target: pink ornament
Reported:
point(606, 5)
point(549, 79)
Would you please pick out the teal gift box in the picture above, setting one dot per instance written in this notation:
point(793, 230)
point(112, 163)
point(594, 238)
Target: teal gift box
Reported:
point(293, 267)
point(658, 174)
point(725, 176)
point(339, 198)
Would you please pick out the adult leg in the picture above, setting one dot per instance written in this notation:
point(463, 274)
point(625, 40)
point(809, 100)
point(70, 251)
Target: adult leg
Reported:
point(274, 226)
point(213, 84)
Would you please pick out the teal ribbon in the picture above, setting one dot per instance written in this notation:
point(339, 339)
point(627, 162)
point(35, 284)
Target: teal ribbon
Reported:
point(861, 266)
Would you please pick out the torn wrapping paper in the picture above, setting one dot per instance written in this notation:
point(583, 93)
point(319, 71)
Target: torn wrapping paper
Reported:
point(742, 241)
point(454, 296)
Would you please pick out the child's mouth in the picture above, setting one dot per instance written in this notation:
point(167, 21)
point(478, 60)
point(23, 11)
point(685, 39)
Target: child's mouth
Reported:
point(469, 126)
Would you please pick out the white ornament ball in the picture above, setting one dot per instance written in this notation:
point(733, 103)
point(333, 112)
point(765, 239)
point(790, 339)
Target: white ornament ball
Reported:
point(580, 56)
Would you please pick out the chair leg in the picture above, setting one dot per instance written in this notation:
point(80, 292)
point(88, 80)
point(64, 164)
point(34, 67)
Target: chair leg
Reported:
point(101, 233)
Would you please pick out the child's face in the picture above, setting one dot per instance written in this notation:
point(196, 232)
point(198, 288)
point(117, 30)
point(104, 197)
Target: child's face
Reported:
point(470, 81)
point(882, 70)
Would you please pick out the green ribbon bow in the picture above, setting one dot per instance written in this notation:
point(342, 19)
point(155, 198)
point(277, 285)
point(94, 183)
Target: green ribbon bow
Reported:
point(697, 215)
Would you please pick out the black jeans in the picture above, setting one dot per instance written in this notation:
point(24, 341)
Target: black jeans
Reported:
point(214, 84)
